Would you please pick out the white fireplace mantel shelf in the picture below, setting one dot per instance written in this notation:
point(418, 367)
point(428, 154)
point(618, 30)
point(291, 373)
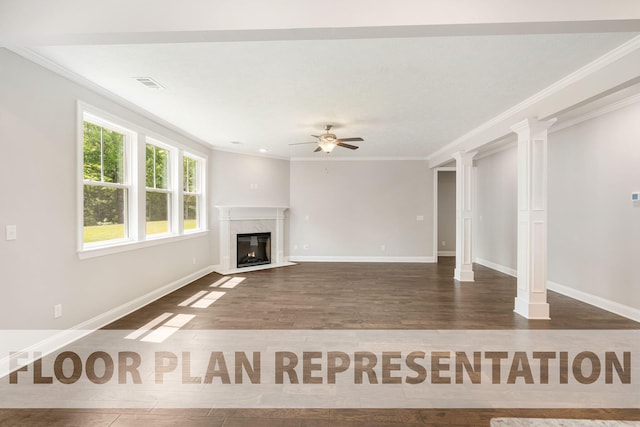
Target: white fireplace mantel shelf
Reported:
point(241, 219)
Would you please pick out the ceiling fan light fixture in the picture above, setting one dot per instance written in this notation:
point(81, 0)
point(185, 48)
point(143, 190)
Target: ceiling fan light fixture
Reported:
point(327, 146)
point(327, 141)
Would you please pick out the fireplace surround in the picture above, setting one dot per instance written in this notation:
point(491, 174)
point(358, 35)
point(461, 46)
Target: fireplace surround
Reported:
point(235, 220)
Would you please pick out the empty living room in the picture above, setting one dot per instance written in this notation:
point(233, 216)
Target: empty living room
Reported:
point(301, 213)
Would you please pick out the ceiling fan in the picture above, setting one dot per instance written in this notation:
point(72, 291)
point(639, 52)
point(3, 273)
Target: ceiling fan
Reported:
point(328, 141)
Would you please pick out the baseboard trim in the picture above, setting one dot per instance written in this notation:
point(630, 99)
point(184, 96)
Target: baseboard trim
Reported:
point(65, 337)
point(116, 313)
point(446, 253)
point(501, 268)
point(603, 303)
point(596, 301)
point(360, 259)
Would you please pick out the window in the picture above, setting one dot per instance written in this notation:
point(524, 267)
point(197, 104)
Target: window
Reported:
point(106, 185)
point(159, 197)
point(131, 186)
point(192, 192)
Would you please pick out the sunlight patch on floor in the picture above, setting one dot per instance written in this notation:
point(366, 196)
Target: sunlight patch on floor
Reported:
point(208, 300)
point(233, 282)
point(147, 327)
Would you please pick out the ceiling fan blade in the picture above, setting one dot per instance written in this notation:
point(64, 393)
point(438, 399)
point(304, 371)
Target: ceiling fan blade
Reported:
point(317, 149)
point(302, 143)
point(349, 146)
point(350, 139)
point(316, 136)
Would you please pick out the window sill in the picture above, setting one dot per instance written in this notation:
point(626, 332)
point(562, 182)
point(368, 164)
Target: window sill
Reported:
point(131, 246)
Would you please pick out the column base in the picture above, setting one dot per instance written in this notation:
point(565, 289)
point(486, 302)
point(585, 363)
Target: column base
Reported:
point(531, 310)
point(463, 275)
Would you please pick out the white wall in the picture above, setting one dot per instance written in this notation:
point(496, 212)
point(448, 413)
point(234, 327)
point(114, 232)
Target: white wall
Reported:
point(354, 207)
point(38, 152)
point(593, 227)
point(497, 186)
point(446, 211)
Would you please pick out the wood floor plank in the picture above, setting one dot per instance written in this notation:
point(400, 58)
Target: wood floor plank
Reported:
point(348, 296)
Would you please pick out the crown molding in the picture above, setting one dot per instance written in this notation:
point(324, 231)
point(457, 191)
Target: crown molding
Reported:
point(550, 91)
point(510, 141)
point(355, 159)
point(56, 68)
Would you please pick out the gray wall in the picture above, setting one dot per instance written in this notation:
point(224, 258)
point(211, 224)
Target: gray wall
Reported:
point(593, 227)
point(351, 208)
point(446, 211)
point(497, 189)
point(38, 181)
point(232, 176)
point(242, 180)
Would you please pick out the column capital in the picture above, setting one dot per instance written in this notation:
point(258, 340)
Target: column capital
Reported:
point(464, 155)
point(532, 126)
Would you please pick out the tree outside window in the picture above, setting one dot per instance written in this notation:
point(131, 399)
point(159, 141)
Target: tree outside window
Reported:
point(158, 199)
point(106, 184)
point(191, 206)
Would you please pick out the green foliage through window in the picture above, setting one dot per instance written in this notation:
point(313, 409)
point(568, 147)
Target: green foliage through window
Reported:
point(191, 193)
point(190, 212)
point(105, 192)
point(190, 174)
point(112, 209)
point(104, 154)
point(157, 165)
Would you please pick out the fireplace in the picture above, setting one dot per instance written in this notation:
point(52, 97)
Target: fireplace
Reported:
point(234, 220)
point(253, 249)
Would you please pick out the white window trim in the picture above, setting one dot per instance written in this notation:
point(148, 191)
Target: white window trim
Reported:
point(172, 190)
point(201, 192)
point(136, 146)
point(129, 184)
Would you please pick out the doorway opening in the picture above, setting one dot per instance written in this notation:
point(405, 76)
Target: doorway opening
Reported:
point(444, 212)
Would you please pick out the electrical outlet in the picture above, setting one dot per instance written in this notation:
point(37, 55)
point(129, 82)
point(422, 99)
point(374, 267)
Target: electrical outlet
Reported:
point(444, 243)
point(382, 248)
point(11, 232)
point(57, 311)
point(193, 261)
point(420, 218)
point(305, 246)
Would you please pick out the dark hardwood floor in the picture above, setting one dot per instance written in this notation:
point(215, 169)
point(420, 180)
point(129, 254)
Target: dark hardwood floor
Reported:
point(347, 296)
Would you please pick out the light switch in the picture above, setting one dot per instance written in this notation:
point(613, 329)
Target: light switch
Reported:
point(419, 218)
point(11, 232)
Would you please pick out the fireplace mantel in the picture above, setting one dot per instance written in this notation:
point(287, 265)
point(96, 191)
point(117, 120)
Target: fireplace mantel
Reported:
point(250, 219)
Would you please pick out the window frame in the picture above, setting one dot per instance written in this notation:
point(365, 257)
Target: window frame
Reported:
point(136, 139)
point(171, 189)
point(199, 193)
point(129, 213)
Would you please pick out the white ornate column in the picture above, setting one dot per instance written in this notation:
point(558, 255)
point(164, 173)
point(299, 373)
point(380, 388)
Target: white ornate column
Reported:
point(464, 216)
point(531, 300)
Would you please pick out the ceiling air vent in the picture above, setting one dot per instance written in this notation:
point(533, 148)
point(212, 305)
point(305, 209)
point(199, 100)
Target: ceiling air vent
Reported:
point(149, 82)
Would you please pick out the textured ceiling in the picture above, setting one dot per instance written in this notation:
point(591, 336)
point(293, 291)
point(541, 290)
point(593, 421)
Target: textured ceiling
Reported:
point(407, 97)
